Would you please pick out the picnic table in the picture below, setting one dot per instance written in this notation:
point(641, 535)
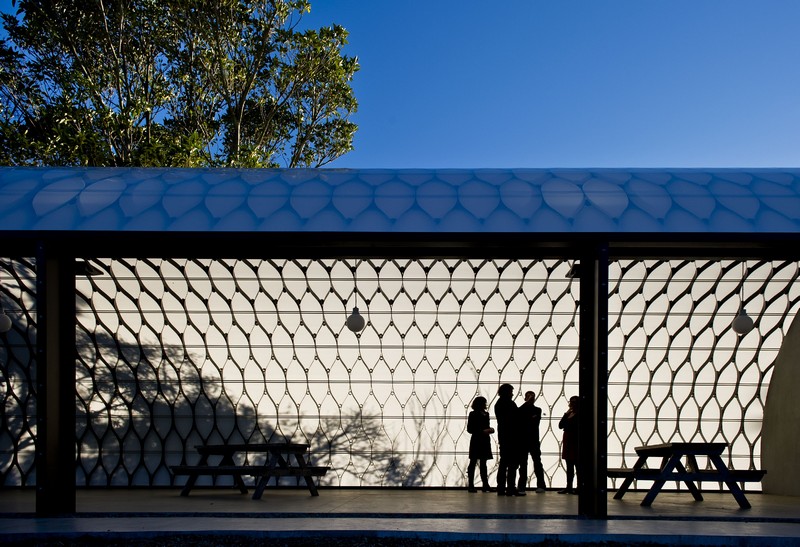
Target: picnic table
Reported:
point(673, 469)
point(282, 460)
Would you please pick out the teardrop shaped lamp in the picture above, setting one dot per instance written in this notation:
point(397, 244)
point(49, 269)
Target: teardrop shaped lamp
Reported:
point(356, 321)
point(742, 323)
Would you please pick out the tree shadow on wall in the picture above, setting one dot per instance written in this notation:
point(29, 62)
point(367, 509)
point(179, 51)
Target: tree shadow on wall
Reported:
point(357, 449)
point(141, 409)
point(17, 405)
point(135, 415)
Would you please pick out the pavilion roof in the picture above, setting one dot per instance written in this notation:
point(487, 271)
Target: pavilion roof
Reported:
point(610, 201)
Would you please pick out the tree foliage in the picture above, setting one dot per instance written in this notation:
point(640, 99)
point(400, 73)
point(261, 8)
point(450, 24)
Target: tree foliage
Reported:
point(184, 83)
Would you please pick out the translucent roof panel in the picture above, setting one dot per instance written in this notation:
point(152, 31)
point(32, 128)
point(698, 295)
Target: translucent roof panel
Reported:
point(401, 200)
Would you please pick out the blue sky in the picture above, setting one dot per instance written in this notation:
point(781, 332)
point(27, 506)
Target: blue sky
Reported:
point(571, 83)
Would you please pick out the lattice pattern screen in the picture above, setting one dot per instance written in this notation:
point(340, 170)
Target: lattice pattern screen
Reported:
point(17, 373)
point(246, 350)
point(175, 353)
point(677, 371)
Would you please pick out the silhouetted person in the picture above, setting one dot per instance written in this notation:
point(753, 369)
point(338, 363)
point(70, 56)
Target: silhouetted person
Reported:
point(569, 444)
point(529, 417)
point(506, 412)
point(480, 446)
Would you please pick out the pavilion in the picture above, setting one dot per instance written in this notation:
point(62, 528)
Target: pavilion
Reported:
point(593, 231)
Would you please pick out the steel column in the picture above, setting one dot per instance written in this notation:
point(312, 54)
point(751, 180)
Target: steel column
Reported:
point(55, 381)
point(593, 383)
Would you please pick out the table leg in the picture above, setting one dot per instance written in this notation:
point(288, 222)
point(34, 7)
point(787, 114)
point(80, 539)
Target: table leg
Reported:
point(227, 459)
point(191, 479)
point(187, 487)
point(301, 463)
point(623, 488)
point(690, 484)
point(261, 484)
point(658, 483)
point(724, 475)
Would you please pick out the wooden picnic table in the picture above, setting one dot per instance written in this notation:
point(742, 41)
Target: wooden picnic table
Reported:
point(673, 469)
point(282, 460)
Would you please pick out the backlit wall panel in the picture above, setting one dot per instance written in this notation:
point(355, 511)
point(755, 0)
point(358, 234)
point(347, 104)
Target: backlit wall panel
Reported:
point(177, 353)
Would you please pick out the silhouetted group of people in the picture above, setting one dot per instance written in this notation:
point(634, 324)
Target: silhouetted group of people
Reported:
point(518, 438)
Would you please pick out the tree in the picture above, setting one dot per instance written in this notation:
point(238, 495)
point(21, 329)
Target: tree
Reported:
point(187, 83)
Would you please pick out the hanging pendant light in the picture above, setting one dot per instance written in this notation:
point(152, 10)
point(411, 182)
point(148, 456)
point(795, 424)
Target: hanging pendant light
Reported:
point(356, 321)
point(742, 323)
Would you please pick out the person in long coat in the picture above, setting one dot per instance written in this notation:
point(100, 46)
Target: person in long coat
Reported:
point(505, 410)
point(480, 446)
point(570, 449)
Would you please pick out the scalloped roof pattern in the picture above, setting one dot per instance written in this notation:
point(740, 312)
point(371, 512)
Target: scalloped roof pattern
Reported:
point(401, 200)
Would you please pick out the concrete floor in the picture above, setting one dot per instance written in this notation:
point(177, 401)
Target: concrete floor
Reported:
point(383, 516)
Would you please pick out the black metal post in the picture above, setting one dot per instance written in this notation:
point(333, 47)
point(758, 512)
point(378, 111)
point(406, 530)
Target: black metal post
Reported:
point(593, 383)
point(55, 381)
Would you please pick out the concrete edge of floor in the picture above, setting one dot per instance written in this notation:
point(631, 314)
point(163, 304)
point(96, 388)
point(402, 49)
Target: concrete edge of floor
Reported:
point(393, 532)
point(357, 537)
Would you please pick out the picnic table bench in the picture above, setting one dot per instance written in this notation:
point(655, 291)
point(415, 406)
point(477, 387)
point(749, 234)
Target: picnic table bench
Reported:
point(278, 464)
point(672, 469)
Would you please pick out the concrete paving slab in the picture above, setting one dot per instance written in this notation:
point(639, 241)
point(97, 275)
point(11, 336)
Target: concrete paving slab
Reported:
point(389, 516)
